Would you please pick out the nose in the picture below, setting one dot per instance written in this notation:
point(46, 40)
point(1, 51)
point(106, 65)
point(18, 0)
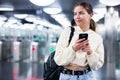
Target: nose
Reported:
point(77, 16)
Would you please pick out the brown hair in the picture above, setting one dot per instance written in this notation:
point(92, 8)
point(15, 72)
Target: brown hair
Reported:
point(73, 22)
point(89, 9)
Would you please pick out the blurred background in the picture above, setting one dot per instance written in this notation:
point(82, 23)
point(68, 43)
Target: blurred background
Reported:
point(29, 30)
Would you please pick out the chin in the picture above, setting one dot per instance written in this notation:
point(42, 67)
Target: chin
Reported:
point(78, 24)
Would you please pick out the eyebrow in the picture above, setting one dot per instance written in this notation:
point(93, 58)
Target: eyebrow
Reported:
point(78, 12)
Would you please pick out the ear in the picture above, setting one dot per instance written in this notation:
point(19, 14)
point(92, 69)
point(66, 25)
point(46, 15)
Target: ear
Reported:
point(91, 14)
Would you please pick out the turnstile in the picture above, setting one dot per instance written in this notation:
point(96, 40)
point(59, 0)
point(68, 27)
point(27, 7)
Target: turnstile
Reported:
point(0, 50)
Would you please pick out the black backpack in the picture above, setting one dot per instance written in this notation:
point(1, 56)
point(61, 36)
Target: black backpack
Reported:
point(51, 69)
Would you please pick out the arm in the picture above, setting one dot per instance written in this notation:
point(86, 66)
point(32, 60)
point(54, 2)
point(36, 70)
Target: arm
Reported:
point(96, 58)
point(64, 53)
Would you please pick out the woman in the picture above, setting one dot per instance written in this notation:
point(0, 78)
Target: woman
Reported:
point(81, 56)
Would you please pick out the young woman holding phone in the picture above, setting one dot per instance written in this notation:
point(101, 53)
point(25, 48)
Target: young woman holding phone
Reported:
point(82, 56)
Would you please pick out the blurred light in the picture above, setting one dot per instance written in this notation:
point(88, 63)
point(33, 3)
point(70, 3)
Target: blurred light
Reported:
point(3, 18)
point(101, 29)
point(100, 10)
point(21, 16)
point(6, 25)
point(30, 18)
point(110, 2)
point(2, 23)
point(15, 26)
point(44, 22)
point(15, 74)
point(51, 49)
point(97, 17)
point(118, 25)
point(40, 27)
point(42, 2)
point(62, 19)
point(111, 10)
point(117, 72)
point(33, 49)
point(27, 26)
point(12, 20)
point(52, 10)
point(15, 48)
point(6, 9)
point(118, 22)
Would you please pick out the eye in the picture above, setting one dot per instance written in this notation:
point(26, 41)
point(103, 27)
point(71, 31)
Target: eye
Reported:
point(81, 13)
point(75, 13)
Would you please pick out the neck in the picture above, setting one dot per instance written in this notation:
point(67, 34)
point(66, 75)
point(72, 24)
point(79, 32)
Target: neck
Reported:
point(84, 27)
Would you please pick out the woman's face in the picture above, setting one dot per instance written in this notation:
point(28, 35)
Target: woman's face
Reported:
point(81, 16)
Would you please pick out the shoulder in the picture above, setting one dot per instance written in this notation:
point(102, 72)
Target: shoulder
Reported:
point(66, 30)
point(97, 35)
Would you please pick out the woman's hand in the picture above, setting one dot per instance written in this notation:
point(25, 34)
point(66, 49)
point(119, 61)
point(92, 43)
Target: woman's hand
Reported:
point(83, 45)
point(79, 44)
point(87, 49)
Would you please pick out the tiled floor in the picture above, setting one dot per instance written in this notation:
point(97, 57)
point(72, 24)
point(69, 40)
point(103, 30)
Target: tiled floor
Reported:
point(34, 71)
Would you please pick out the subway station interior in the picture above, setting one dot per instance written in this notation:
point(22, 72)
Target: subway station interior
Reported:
point(29, 30)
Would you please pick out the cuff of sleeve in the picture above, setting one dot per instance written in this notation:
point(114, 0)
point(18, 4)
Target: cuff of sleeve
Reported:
point(92, 54)
point(72, 49)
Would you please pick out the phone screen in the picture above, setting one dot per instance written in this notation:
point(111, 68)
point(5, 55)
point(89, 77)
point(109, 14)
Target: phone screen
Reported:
point(83, 35)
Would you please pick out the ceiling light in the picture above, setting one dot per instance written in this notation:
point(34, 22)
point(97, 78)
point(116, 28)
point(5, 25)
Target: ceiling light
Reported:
point(44, 22)
point(97, 17)
point(110, 2)
point(52, 10)
point(12, 20)
point(21, 16)
point(42, 2)
point(30, 18)
point(111, 10)
point(62, 19)
point(6, 9)
point(100, 10)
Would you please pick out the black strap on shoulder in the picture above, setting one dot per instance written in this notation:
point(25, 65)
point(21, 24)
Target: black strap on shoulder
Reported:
point(71, 34)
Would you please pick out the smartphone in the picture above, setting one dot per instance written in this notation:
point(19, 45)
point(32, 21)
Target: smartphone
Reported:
point(83, 35)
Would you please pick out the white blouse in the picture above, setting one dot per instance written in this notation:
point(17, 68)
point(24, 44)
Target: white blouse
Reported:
point(65, 55)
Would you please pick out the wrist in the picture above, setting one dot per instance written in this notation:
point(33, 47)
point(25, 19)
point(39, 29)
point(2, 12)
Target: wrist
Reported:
point(89, 53)
point(74, 48)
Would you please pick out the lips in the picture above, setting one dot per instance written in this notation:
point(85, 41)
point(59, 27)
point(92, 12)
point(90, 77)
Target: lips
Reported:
point(78, 21)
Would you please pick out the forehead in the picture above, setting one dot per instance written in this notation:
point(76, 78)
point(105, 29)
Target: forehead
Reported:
point(79, 8)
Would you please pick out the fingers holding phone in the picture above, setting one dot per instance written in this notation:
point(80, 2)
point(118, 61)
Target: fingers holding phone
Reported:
point(87, 49)
point(84, 38)
point(81, 42)
point(85, 43)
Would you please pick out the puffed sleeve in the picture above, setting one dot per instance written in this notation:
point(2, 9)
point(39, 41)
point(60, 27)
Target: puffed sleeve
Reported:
point(96, 59)
point(64, 53)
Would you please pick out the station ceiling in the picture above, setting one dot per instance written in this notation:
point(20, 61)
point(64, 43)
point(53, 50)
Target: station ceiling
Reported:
point(26, 7)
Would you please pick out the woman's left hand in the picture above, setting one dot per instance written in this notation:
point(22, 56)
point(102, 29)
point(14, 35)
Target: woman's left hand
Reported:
point(87, 49)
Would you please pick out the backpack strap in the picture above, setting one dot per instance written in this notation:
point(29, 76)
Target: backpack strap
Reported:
point(71, 34)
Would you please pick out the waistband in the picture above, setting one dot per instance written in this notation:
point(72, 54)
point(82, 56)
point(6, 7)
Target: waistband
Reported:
point(72, 72)
point(76, 68)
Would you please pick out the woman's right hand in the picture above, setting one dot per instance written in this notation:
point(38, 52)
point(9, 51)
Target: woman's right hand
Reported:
point(80, 44)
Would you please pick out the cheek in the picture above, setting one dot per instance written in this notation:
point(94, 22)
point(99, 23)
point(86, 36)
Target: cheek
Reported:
point(87, 19)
